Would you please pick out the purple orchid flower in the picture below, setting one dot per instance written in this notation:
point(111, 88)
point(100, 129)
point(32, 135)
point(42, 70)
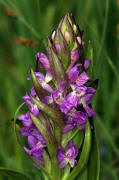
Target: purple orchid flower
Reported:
point(58, 94)
point(75, 55)
point(58, 47)
point(33, 107)
point(44, 80)
point(73, 76)
point(26, 119)
point(36, 143)
point(65, 106)
point(75, 119)
point(68, 156)
point(82, 79)
point(43, 60)
point(27, 131)
point(87, 63)
point(73, 73)
point(73, 97)
point(47, 100)
point(86, 99)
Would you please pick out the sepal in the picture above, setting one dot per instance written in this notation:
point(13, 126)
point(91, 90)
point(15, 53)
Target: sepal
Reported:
point(56, 66)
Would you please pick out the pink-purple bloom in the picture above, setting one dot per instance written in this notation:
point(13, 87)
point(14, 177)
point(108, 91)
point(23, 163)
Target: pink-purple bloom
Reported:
point(44, 80)
point(58, 47)
point(67, 156)
point(43, 60)
point(36, 143)
point(87, 63)
point(74, 119)
point(33, 107)
point(75, 55)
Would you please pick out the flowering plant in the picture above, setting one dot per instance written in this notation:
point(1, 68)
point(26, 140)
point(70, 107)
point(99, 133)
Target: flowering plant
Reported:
point(59, 122)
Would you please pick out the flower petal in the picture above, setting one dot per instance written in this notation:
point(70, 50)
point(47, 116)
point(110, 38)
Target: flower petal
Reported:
point(73, 163)
point(65, 106)
point(67, 128)
point(75, 55)
point(87, 64)
point(73, 74)
point(70, 145)
point(61, 86)
point(33, 92)
point(47, 87)
point(26, 119)
point(32, 141)
point(82, 79)
point(49, 76)
point(26, 131)
point(89, 111)
point(91, 90)
point(47, 100)
point(43, 60)
point(27, 100)
point(88, 98)
point(60, 154)
point(58, 47)
point(34, 109)
point(72, 99)
point(63, 163)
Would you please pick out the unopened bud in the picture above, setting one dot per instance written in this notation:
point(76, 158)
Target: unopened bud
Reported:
point(75, 28)
point(75, 55)
point(53, 35)
point(79, 39)
point(67, 36)
point(58, 47)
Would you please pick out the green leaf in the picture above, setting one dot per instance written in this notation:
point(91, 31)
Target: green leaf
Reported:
point(14, 174)
point(83, 175)
point(78, 139)
point(94, 160)
point(84, 154)
point(92, 169)
point(77, 136)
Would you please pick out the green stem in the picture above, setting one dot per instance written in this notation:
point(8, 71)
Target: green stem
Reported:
point(55, 170)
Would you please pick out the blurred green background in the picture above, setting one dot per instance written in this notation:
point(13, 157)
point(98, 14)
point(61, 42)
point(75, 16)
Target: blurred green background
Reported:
point(34, 20)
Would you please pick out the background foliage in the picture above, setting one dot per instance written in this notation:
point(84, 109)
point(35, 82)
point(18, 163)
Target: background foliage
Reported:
point(34, 20)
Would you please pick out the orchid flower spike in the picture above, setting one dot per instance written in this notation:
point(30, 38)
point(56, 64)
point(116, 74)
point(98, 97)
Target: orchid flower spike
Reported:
point(59, 120)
